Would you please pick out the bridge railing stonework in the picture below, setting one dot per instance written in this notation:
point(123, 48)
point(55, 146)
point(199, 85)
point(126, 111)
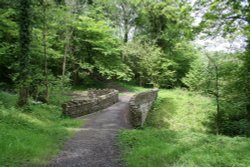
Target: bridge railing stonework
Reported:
point(94, 101)
point(139, 106)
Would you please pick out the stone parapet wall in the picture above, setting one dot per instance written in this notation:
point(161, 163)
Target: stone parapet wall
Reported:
point(94, 101)
point(139, 106)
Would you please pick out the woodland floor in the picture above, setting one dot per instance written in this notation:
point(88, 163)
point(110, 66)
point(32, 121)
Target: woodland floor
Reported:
point(95, 144)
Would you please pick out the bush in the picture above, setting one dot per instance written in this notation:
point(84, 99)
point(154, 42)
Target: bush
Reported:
point(7, 100)
point(234, 128)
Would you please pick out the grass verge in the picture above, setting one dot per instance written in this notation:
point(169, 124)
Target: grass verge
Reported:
point(181, 110)
point(166, 148)
point(176, 135)
point(33, 136)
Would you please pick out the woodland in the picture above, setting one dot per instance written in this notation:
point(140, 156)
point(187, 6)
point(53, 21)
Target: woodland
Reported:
point(51, 47)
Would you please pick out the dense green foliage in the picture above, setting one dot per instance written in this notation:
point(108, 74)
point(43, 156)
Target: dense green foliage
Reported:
point(79, 41)
point(230, 92)
point(226, 76)
point(161, 53)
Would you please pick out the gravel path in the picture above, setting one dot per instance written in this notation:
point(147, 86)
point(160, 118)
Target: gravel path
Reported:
point(95, 145)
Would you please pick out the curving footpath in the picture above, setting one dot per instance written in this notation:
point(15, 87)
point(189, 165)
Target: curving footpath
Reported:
point(95, 144)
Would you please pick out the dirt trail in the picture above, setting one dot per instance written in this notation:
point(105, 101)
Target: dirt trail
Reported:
point(95, 145)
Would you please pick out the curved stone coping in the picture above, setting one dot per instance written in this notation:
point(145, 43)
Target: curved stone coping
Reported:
point(139, 106)
point(96, 100)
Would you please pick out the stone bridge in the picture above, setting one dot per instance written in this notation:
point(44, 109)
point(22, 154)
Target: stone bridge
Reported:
point(96, 100)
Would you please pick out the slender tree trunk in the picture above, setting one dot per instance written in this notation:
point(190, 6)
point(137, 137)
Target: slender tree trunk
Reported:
point(248, 72)
point(217, 95)
point(46, 93)
point(140, 80)
point(64, 60)
point(24, 57)
point(126, 30)
point(75, 66)
point(125, 21)
point(68, 36)
point(76, 74)
point(247, 66)
point(72, 4)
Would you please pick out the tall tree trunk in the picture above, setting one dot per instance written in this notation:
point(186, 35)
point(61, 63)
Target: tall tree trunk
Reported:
point(76, 74)
point(124, 7)
point(68, 36)
point(126, 30)
point(217, 96)
point(64, 59)
point(126, 36)
point(247, 66)
point(46, 82)
point(75, 66)
point(24, 57)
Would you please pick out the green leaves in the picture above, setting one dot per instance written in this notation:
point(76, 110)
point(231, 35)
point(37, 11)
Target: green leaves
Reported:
point(99, 48)
point(148, 63)
point(225, 16)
